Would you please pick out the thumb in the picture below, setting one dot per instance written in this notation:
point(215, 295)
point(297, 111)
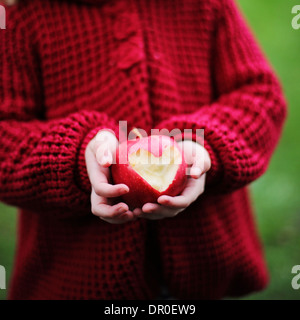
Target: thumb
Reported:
point(104, 155)
point(195, 171)
point(201, 164)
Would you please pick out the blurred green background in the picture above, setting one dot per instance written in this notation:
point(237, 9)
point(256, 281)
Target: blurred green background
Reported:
point(276, 194)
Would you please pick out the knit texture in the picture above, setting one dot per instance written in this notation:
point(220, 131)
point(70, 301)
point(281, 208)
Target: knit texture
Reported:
point(71, 68)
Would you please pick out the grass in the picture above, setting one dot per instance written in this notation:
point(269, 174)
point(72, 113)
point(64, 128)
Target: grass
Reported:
point(8, 217)
point(276, 194)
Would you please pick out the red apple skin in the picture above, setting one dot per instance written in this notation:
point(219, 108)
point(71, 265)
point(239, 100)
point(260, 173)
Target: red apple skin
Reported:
point(140, 191)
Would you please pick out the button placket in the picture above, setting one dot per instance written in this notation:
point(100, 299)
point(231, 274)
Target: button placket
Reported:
point(124, 26)
point(130, 50)
point(130, 53)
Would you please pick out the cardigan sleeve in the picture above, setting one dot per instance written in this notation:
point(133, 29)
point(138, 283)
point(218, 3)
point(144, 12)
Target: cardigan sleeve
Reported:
point(42, 163)
point(243, 123)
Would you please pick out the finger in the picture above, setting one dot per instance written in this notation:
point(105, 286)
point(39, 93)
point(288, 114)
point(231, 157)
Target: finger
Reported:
point(151, 207)
point(96, 174)
point(101, 208)
point(192, 191)
point(99, 181)
point(194, 188)
point(160, 216)
point(110, 191)
point(107, 211)
point(104, 156)
point(179, 202)
point(155, 211)
point(195, 171)
point(137, 212)
point(197, 158)
point(104, 146)
point(126, 217)
point(104, 189)
point(200, 163)
point(197, 168)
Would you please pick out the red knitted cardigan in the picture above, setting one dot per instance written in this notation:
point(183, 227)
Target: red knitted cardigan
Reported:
point(69, 68)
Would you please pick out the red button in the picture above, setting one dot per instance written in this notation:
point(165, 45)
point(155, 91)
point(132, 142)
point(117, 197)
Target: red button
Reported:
point(125, 26)
point(130, 53)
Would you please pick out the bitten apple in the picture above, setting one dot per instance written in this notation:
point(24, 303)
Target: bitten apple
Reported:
point(150, 166)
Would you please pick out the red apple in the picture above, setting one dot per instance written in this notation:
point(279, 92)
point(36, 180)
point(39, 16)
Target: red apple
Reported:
point(150, 166)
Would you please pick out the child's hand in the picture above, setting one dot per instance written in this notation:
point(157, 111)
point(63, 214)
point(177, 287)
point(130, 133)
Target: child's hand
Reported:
point(167, 206)
point(99, 155)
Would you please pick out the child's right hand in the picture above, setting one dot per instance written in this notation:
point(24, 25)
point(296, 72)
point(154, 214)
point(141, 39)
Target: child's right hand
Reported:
point(99, 155)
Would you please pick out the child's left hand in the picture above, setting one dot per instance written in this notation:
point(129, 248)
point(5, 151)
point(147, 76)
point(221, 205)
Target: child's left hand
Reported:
point(167, 206)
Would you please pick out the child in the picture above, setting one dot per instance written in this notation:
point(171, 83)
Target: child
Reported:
point(69, 72)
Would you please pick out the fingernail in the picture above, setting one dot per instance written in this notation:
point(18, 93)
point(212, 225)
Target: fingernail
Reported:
point(138, 211)
point(148, 211)
point(124, 215)
point(124, 190)
point(195, 171)
point(163, 200)
point(105, 160)
point(122, 210)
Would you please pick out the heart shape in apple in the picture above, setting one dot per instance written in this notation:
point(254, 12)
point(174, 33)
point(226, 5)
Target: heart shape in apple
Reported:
point(150, 166)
